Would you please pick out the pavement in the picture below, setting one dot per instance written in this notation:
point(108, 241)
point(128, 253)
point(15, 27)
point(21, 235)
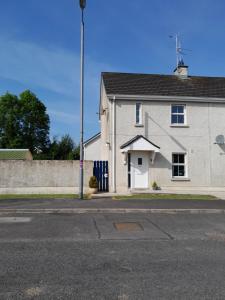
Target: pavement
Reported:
point(112, 256)
point(217, 192)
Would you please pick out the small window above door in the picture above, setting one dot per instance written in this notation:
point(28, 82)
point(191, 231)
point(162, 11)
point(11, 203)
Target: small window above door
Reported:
point(138, 114)
point(140, 161)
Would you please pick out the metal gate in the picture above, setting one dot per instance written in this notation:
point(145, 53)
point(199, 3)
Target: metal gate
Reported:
point(101, 172)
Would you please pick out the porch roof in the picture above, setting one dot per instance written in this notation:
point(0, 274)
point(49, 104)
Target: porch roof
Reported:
point(139, 143)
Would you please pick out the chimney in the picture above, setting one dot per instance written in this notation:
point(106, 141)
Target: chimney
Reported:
point(181, 69)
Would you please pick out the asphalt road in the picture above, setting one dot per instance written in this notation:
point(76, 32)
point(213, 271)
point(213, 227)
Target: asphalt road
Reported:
point(112, 256)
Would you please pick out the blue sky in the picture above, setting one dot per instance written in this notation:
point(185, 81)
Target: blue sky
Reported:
point(40, 48)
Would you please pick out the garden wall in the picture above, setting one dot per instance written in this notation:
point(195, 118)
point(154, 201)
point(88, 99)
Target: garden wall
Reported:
point(42, 176)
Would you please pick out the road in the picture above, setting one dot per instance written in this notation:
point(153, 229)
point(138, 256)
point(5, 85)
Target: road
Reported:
point(112, 256)
point(110, 203)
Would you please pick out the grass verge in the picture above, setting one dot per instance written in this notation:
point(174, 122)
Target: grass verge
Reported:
point(41, 196)
point(166, 197)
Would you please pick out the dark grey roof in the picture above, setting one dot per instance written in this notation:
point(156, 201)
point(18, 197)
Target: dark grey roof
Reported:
point(163, 85)
point(137, 137)
point(92, 138)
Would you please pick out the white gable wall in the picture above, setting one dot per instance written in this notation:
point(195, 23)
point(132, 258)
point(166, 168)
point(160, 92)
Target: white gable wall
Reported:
point(92, 150)
point(105, 124)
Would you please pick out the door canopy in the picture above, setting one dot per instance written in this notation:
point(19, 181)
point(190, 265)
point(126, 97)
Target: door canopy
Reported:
point(139, 143)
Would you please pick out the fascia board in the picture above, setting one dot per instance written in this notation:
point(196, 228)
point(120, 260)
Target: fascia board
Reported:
point(166, 98)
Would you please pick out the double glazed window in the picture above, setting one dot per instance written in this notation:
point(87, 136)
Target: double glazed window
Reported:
point(179, 165)
point(178, 114)
point(138, 115)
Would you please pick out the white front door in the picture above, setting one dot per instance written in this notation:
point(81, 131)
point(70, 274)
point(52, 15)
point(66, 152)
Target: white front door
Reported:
point(139, 170)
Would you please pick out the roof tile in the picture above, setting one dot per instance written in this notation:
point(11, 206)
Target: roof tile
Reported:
point(163, 85)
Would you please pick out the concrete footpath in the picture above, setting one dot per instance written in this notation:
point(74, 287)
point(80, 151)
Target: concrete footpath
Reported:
point(108, 205)
point(218, 193)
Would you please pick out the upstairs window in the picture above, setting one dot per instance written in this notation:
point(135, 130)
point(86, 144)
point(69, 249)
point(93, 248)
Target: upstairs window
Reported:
point(179, 165)
point(138, 114)
point(178, 116)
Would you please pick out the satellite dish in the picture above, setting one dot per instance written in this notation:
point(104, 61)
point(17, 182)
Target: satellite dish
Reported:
point(220, 139)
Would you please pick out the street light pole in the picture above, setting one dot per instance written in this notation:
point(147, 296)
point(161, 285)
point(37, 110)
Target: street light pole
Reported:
point(81, 191)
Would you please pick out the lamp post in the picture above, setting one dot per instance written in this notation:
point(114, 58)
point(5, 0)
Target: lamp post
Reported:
point(82, 6)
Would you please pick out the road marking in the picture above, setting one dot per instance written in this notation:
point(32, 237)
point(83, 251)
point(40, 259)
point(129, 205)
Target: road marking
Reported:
point(217, 236)
point(75, 240)
point(33, 292)
point(14, 220)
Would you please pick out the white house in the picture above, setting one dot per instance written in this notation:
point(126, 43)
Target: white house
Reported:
point(164, 128)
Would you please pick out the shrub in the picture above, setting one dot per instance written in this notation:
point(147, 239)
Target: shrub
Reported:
point(93, 182)
point(155, 186)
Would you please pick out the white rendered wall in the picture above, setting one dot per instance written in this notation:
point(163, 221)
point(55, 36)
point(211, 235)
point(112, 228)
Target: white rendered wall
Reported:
point(92, 150)
point(206, 160)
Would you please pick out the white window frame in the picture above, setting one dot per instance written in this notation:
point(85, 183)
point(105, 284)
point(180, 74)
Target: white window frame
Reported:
point(140, 114)
point(182, 114)
point(185, 164)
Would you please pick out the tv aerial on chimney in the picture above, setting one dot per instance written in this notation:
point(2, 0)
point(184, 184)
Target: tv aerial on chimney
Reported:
point(179, 50)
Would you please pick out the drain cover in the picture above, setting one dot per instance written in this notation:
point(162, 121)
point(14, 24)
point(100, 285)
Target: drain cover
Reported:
point(128, 226)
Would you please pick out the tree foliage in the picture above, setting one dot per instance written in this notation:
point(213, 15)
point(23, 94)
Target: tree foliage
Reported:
point(10, 127)
point(24, 122)
point(63, 149)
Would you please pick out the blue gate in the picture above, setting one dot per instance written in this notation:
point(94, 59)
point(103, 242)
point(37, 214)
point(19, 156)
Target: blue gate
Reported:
point(101, 172)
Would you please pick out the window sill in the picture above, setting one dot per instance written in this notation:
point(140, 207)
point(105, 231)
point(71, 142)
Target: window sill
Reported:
point(139, 125)
point(180, 179)
point(179, 125)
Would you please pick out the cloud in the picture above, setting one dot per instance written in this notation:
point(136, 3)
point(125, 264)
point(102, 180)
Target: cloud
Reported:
point(54, 69)
point(64, 117)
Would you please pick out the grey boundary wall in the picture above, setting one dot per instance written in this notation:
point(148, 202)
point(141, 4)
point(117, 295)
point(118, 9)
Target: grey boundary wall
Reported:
point(42, 176)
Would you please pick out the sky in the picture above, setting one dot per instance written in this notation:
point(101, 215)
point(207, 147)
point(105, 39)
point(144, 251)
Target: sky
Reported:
point(40, 48)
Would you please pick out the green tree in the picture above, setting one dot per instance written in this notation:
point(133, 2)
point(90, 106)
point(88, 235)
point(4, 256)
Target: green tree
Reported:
point(63, 149)
point(24, 122)
point(9, 122)
point(34, 122)
point(76, 152)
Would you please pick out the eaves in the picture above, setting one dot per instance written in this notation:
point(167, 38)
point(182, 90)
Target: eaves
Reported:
point(165, 98)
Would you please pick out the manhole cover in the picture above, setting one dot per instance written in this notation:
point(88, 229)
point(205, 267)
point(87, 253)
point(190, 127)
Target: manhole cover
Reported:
point(128, 226)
